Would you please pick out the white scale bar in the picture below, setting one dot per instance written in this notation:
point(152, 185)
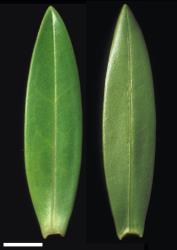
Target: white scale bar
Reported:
point(22, 244)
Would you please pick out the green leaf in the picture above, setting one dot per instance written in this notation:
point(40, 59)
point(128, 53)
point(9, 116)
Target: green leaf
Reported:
point(128, 127)
point(53, 126)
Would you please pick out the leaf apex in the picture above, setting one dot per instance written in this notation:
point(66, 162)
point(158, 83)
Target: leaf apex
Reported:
point(50, 9)
point(125, 6)
point(125, 9)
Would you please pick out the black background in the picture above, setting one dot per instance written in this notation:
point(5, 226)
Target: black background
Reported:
point(91, 29)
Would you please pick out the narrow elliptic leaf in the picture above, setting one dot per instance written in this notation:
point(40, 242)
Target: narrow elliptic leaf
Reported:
point(53, 128)
point(128, 127)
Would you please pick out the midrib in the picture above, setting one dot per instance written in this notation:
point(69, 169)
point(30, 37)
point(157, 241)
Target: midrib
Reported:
point(130, 119)
point(55, 129)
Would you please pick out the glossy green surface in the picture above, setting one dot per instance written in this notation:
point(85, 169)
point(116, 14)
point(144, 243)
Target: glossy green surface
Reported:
point(128, 127)
point(53, 126)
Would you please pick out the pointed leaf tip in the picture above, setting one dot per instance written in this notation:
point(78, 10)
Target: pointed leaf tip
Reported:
point(125, 10)
point(51, 9)
point(125, 7)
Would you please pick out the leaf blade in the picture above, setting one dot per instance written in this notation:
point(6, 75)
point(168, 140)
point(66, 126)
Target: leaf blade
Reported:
point(128, 122)
point(53, 127)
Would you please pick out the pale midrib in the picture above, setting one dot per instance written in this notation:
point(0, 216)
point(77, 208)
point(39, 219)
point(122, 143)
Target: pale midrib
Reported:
point(130, 120)
point(55, 131)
